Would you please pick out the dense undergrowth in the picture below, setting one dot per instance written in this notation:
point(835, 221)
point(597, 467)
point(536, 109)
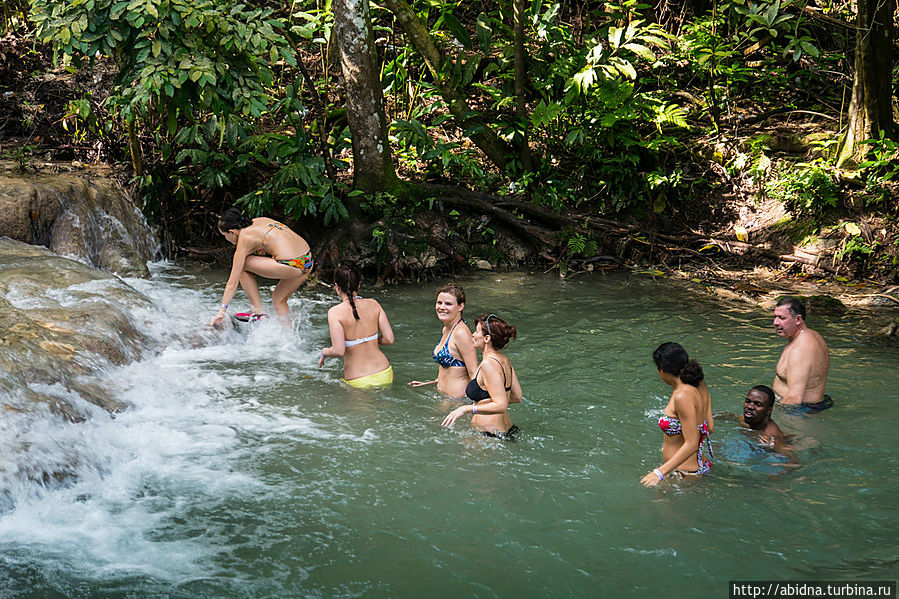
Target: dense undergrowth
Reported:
point(700, 123)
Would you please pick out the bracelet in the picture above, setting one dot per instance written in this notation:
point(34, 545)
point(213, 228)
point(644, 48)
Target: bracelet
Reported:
point(659, 474)
point(323, 354)
point(474, 409)
point(225, 306)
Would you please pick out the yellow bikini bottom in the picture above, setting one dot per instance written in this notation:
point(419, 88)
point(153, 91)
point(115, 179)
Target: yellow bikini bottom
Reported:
point(378, 379)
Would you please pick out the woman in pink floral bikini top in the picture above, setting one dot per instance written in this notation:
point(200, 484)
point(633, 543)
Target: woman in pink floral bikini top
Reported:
point(687, 419)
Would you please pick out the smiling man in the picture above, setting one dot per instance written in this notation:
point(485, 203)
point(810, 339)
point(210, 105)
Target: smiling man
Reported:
point(803, 366)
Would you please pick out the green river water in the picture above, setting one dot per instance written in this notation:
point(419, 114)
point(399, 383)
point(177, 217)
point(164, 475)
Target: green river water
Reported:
point(241, 471)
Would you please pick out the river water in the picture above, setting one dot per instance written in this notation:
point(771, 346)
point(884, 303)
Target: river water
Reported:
point(242, 470)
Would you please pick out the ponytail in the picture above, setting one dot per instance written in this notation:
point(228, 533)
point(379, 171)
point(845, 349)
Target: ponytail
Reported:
point(500, 331)
point(347, 279)
point(672, 358)
point(692, 373)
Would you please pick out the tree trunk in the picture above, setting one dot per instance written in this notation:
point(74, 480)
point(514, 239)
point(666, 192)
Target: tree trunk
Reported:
point(137, 161)
point(478, 131)
point(521, 85)
point(870, 110)
point(373, 168)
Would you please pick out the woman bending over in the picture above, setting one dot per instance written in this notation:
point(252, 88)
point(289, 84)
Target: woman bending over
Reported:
point(266, 248)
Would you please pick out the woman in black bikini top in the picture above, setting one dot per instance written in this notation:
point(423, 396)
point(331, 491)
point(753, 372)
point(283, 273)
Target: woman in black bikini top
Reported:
point(495, 385)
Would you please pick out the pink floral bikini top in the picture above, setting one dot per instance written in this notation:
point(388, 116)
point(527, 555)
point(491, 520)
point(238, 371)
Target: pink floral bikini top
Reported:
point(672, 426)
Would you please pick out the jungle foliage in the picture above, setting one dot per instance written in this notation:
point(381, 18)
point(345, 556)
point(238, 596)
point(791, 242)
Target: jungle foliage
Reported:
point(241, 100)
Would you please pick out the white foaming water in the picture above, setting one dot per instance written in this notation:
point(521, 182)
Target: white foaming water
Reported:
point(102, 495)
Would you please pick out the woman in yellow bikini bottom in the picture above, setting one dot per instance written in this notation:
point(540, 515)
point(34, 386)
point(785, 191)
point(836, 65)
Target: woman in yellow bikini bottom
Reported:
point(378, 379)
point(358, 328)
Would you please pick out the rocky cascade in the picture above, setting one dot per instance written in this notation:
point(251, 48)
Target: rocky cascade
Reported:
point(62, 322)
point(84, 216)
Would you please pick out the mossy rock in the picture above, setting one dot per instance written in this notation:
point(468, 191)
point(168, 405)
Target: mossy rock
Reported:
point(819, 304)
point(824, 304)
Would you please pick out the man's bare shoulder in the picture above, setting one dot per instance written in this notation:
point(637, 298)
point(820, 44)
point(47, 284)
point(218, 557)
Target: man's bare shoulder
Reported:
point(773, 430)
point(810, 341)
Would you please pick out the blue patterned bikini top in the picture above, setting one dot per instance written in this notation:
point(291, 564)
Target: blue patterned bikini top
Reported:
point(444, 357)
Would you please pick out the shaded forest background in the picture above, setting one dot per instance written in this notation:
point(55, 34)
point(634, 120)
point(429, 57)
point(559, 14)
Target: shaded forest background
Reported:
point(438, 135)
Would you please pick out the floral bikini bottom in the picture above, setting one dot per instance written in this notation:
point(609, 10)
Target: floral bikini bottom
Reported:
point(304, 262)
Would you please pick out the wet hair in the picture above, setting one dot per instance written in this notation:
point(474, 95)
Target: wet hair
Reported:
point(454, 290)
point(232, 218)
point(672, 358)
point(500, 331)
point(796, 307)
point(346, 277)
point(767, 391)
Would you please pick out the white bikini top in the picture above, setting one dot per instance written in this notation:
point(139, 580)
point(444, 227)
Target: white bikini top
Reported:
point(352, 342)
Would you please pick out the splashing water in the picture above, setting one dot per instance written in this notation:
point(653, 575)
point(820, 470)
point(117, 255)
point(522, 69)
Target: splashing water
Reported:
point(241, 469)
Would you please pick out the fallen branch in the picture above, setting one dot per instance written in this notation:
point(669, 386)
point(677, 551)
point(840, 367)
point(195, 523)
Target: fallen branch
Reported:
point(469, 199)
point(809, 261)
point(889, 297)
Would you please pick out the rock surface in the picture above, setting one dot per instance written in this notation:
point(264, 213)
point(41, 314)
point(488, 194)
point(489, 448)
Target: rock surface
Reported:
point(89, 218)
point(62, 323)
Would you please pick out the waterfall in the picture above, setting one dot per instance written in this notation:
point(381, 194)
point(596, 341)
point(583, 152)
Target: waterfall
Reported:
point(91, 219)
point(114, 413)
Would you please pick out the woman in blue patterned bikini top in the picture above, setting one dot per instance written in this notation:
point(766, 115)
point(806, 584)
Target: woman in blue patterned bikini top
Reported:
point(454, 353)
point(687, 419)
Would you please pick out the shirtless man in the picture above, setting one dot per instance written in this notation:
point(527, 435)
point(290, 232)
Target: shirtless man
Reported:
point(802, 369)
point(757, 414)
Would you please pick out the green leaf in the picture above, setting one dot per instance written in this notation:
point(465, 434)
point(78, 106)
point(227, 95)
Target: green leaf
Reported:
point(172, 120)
point(473, 130)
point(771, 14)
point(484, 33)
point(641, 51)
point(809, 49)
point(117, 10)
point(615, 35)
point(584, 79)
point(544, 113)
point(625, 68)
point(458, 31)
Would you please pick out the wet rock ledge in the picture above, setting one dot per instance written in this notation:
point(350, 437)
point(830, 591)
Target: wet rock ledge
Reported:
point(63, 322)
point(78, 214)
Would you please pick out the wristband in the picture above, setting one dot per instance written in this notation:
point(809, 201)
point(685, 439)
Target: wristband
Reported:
point(659, 474)
point(474, 409)
point(225, 306)
point(323, 354)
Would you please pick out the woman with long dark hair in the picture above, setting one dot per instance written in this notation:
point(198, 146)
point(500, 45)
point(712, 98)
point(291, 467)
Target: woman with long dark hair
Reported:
point(687, 419)
point(495, 384)
point(266, 248)
point(358, 327)
point(454, 353)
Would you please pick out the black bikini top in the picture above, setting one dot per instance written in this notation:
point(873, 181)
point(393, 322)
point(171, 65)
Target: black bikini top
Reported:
point(475, 393)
